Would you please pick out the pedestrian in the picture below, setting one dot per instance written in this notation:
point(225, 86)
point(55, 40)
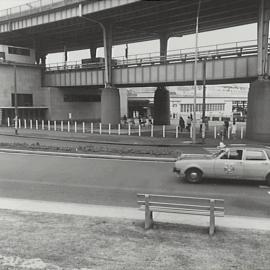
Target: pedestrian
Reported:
point(188, 123)
point(181, 124)
point(226, 127)
point(234, 128)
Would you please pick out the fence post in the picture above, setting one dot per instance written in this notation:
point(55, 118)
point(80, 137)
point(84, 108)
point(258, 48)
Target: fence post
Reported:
point(54, 124)
point(8, 122)
point(229, 132)
point(100, 128)
point(163, 131)
point(62, 126)
point(128, 129)
point(212, 217)
point(176, 131)
point(215, 132)
point(75, 127)
point(242, 133)
point(148, 213)
point(68, 126)
point(109, 128)
point(36, 124)
point(42, 124)
point(191, 130)
point(49, 125)
point(119, 129)
point(19, 123)
point(83, 127)
point(139, 130)
point(92, 128)
point(24, 123)
point(152, 131)
point(31, 124)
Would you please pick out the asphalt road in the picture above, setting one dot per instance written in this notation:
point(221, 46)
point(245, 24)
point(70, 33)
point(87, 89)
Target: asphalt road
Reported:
point(116, 182)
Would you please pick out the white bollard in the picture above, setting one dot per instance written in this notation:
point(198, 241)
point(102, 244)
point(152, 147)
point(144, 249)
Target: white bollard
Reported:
point(20, 123)
point(191, 130)
point(36, 124)
point(16, 124)
point(229, 132)
point(31, 124)
point(176, 131)
point(92, 128)
point(100, 128)
point(62, 126)
point(75, 127)
point(24, 123)
point(152, 131)
point(68, 127)
point(139, 130)
point(109, 129)
point(163, 131)
point(42, 124)
point(49, 125)
point(129, 129)
point(215, 132)
point(119, 129)
point(54, 125)
point(83, 127)
point(242, 133)
point(8, 122)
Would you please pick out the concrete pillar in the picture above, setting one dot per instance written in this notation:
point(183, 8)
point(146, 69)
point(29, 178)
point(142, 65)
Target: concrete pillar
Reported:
point(163, 45)
point(107, 40)
point(162, 106)
point(258, 121)
point(110, 106)
point(93, 52)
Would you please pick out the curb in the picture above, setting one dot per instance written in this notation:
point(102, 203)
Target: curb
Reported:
point(81, 155)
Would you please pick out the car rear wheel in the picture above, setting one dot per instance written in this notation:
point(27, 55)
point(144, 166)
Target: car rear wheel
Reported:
point(194, 176)
point(268, 179)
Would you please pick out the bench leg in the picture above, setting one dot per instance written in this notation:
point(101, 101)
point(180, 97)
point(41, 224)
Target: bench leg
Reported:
point(148, 219)
point(212, 218)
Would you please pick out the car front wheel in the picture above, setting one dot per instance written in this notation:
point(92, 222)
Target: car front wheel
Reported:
point(193, 176)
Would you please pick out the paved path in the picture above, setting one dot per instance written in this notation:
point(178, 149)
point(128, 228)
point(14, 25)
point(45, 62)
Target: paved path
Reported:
point(130, 213)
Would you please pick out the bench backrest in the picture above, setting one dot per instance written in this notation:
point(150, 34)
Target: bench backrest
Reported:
point(181, 204)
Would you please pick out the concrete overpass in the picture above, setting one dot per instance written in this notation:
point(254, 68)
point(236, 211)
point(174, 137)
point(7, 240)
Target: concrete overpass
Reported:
point(53, 26)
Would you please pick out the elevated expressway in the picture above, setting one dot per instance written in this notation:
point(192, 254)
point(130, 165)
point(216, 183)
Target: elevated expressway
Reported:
point(59, 26)
point(222, 63)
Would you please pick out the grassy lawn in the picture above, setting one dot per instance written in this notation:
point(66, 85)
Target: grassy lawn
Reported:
point(54, 242)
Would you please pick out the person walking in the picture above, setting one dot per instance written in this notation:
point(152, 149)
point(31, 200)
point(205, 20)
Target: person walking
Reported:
point(181, 124)
point(234, 128)
point(188, 123)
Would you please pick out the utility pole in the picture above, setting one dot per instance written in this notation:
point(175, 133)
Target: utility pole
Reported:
point(15, 99)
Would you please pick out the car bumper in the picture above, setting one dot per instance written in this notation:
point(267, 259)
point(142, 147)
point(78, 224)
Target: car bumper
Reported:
point(176, 171)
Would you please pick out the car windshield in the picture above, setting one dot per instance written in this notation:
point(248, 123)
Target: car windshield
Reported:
point(216, 154)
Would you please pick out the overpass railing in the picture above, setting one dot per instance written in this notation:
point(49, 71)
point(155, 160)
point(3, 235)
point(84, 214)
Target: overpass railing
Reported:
point(33, 7)
point(225, 50)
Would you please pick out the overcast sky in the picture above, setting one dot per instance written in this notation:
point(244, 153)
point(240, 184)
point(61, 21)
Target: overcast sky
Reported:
point(235, 34)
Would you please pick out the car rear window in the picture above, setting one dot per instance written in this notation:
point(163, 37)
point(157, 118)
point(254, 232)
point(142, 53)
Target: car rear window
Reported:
point(255, 155)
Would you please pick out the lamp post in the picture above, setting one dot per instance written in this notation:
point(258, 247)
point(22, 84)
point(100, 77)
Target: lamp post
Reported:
point(15, 99)
point(195, 74)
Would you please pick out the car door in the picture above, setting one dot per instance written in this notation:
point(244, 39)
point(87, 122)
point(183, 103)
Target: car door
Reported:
point(256, 164)
point(230, 164)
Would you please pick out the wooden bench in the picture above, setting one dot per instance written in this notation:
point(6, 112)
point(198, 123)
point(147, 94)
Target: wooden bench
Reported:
point(181, 205)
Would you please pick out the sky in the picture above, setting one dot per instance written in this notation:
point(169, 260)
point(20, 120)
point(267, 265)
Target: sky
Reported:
point(229, 35)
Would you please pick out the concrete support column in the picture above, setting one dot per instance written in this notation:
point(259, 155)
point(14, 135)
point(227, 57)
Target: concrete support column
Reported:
point(163, 45)
point(107, 40)
point(162, 106)
point(110, 106)
point(93, 52)
point(258, 123)
point(262, 37)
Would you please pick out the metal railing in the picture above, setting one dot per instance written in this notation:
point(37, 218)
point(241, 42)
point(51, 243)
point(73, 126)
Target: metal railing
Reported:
point(33, 7)
point(225, 50)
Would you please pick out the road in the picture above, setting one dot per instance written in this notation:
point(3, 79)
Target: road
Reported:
point(116, 182)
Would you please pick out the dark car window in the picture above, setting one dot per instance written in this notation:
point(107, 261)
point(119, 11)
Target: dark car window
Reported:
point(255, 155)
point(233, 154)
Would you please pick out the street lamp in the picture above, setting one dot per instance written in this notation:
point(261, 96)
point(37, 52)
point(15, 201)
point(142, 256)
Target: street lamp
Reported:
point(195, 73)
point(15, 99)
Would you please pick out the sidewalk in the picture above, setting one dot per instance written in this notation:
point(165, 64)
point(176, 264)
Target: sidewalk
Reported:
point(102, 211)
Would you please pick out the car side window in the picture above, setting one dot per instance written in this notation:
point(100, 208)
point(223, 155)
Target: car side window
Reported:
point(236, 154)
point(255, 155)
